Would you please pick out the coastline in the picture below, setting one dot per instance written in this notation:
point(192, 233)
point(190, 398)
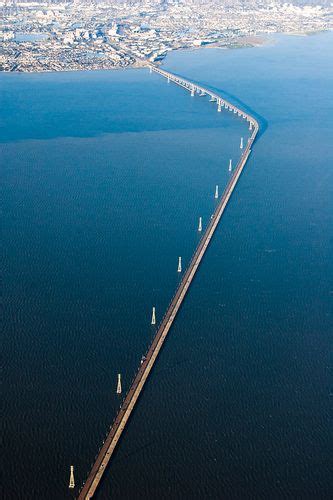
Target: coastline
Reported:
point(238, 43)
point(242, 42)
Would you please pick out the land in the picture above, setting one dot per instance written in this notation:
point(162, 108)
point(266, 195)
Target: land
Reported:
point(41, 36)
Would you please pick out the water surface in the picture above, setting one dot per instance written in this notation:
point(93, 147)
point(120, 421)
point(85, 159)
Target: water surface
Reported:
point(105, 175)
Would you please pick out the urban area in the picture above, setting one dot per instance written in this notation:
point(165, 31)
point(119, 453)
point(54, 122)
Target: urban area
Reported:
point(40, 36)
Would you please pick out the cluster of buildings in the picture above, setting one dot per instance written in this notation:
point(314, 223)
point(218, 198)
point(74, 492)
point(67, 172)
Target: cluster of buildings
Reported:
point(47, 36)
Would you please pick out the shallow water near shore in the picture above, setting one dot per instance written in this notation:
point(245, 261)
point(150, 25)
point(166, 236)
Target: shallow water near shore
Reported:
point(105, 175)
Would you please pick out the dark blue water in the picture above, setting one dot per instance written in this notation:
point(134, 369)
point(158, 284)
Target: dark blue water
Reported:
point(104, 177)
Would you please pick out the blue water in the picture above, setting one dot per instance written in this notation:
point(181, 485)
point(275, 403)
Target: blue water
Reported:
point(104, 177)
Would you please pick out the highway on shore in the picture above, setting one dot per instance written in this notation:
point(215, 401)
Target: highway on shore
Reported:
point(118, 426)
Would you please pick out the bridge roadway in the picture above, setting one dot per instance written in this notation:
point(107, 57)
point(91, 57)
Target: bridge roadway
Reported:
point(202, 91)
point(110, 443)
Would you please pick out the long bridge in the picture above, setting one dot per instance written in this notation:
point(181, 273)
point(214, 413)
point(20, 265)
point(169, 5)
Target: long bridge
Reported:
point(89, 488)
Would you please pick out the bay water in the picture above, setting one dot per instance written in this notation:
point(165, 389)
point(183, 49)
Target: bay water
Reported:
point(105, 175)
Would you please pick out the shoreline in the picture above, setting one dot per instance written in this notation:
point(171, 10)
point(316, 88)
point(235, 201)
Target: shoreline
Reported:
point(255, 41)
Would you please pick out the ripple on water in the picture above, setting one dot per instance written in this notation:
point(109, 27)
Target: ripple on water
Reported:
point(237, 406)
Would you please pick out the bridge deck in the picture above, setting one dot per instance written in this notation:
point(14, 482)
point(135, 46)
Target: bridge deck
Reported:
point(132, 396)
